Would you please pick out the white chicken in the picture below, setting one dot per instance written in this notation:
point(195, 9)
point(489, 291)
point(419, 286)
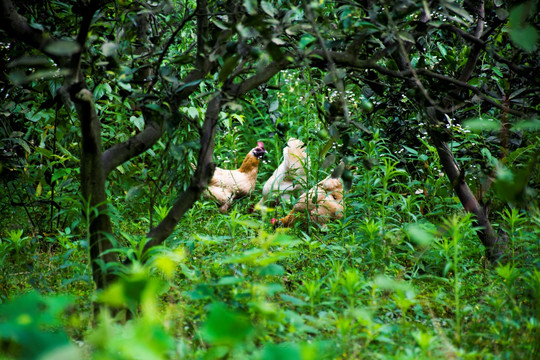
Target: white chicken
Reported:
point(290, 175)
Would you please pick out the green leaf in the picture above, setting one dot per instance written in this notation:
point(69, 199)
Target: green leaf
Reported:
point(133, 192)
point(18, 77)
point(43, 151)
point(293, 300)
point(29, 61)
point(138, 121)
point(228, 67)
point(274, 105)
point(270, 289)
point(154, 107)
point(60, 173)
point(441, 49)
point(30, 324)
point(220, 25)
point(183, 59)
point(109, 49)
point(125, 85)
point(268, 8)
point(279, 41)
point(511, 185)
point(497, 72)
point(410, 150)
point(366, 25)
point(251, 6)
point(63, 47)
point(225, 327)
point(305, 40)
point(65, 352)
point(193, 112)
point(21, 143)
point(284, 351)
point(522, 33)
point(527, 125)
point(189, 273)
point(524, 37)
point(480, 124)
point(457, 9)
point(248, 256)
point(419, 235)
point(502, 14)
point(475, 82)
point(189, 84)
point(329, 160)
point(387, 283)
point(326, 148)
point(229, 280)
point(297, 29)
point(272, 270)
point(406, 36)
point(99, 91)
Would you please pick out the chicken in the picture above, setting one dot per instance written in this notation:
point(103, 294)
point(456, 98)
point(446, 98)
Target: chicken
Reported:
point(290, 176)
point(227, 185)
point(323, 203)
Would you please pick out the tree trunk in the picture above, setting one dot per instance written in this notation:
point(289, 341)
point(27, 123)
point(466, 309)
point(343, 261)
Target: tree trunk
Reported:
point(495, 246)
point(93, 189)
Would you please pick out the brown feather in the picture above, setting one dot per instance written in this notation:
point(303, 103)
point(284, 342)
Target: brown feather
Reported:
point(323, 202)
point(227, 185)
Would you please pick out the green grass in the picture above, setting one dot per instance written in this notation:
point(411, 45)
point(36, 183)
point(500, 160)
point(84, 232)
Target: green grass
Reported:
point(386, 281)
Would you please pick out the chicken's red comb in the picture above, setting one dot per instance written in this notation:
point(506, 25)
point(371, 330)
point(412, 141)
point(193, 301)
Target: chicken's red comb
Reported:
point(273, 221)
point(260, 144)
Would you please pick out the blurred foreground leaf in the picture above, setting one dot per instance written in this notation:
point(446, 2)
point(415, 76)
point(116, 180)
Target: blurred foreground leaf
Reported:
point(225, 327)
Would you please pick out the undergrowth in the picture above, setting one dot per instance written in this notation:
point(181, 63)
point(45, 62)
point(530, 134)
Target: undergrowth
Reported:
point(401, 275)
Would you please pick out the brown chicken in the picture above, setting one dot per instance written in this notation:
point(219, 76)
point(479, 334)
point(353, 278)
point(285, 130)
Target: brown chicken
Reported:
point(323, 202)
point(227, 185)
point(290, 175)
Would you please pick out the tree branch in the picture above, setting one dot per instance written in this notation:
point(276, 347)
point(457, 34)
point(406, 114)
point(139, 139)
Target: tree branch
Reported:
point(338, 82)
point(465, 85)
point(344, 58)
point(262, 76)
point(349, 59)
point(89, 12)
point(475, 52)
point(187, 17)
point(154, 127)
point(134, 146)
point(203, 24)
point(199, 181)
point(17, 27)
point(482, 45)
